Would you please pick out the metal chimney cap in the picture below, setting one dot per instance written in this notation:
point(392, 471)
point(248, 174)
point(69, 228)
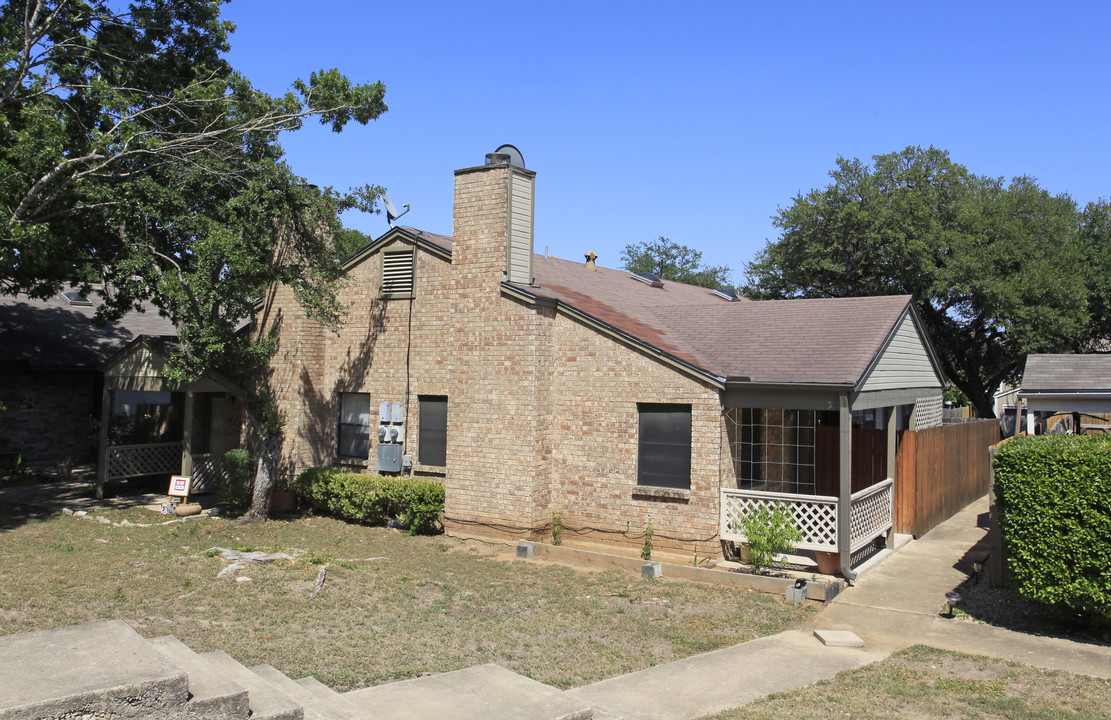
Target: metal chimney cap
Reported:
point(497, 158)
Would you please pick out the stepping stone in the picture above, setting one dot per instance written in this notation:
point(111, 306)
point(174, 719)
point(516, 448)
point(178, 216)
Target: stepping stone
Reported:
point(839, 638)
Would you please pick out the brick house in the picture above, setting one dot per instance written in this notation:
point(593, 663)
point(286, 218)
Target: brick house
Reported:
point(51, 379)
point(531, 385)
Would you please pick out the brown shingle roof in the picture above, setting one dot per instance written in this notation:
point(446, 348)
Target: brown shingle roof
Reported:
point(1067, 373)
point(53, 333)
point(823, 341)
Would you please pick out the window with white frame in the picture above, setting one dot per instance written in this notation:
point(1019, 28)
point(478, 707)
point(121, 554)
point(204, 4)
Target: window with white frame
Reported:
point(353, 438)
point(773, 449)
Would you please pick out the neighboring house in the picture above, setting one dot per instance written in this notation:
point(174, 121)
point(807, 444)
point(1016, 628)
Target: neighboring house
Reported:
point(50, 376)
point(531, 385)
point(1076, 384)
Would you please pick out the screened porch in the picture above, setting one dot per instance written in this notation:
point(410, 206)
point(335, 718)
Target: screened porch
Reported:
point(834, 469)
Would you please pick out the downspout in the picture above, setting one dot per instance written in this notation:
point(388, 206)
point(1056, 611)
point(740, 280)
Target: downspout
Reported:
point(844, 497)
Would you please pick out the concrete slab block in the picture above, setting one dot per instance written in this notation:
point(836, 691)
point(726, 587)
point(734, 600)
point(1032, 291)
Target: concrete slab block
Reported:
point(85, 669)
point(525, 550)
point(482, 691)
point(839, 638)
point(213, 695)
point(651, 570)
point(267, 701)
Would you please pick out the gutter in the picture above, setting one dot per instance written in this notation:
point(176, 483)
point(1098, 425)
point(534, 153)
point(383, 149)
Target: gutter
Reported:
point(514, 291)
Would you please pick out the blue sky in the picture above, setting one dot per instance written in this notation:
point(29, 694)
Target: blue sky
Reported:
point(695, 121)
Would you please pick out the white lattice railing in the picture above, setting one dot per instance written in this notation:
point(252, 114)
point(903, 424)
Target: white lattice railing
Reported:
point(126, 461)
point(870, 515)
point(815, 515)
point(872, 512)
point(208, 473)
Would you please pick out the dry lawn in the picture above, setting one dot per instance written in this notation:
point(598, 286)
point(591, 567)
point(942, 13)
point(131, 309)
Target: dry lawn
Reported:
point(391, 606)
point(923, 683)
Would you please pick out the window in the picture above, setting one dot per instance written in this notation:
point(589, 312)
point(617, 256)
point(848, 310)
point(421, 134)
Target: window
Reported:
point(354, 425)
point(397, 274)
point(432, 442)
point(774, 449)
point(664, 446)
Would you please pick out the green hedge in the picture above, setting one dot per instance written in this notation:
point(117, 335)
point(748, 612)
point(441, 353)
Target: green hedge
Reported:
point(1054, 499)
point(372, 499)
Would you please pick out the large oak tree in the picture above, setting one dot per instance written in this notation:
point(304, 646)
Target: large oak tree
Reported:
point(133, 155)
point(995, 268)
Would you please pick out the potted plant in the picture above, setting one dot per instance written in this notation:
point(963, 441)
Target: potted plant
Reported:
point(282, 500)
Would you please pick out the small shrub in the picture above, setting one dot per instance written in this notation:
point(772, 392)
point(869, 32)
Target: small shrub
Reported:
point(557, 528)
point(646, 551)
point(768, 532)
point(373, 499)
point(235, 493)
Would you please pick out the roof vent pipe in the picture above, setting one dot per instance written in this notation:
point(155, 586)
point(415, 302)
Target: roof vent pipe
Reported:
point(590, 258)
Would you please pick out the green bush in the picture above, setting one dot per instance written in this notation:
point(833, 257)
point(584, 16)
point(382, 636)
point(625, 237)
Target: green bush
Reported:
point(235, 493)
point(1053, 493)
point(768, 532)
point(372, 499)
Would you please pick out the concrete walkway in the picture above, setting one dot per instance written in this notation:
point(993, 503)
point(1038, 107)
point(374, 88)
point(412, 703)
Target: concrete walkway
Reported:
point(897, 604)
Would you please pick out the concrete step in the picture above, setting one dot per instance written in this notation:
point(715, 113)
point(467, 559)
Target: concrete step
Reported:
point(102, 668)
point(316, 687)
point(267, 702)
point(213, 696)
point(317, 705)
point(476, 693)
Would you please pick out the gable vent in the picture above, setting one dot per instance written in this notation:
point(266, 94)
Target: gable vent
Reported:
point(397, 273)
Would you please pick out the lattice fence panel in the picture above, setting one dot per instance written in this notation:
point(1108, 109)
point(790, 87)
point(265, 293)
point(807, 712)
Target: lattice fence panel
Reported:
point(928, 413)
point(126, 461)
point(208, 474)
point(814, 515)
point(871, 513)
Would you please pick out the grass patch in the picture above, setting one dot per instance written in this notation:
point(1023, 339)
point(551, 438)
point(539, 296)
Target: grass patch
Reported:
point(922, 682)
point(391, 607)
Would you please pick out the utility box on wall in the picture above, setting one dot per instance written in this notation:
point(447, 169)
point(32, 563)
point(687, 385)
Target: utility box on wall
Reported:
point(389, 458)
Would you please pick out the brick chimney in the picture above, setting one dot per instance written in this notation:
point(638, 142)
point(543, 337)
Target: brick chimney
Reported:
point(492, 238)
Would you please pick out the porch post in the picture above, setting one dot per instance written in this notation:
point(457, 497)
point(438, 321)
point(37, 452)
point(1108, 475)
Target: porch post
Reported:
point(102, 440)
point(1031, 422)
point(187, 435)
point(892, 438)
point(844, 496)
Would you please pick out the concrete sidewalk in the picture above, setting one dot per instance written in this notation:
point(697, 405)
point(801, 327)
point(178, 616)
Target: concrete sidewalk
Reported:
point(895, 605)
point(900, 603)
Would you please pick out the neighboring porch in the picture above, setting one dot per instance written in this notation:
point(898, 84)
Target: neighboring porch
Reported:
point(151, 426)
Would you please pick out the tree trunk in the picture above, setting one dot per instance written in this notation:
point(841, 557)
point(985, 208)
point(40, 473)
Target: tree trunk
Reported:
point(264, 481)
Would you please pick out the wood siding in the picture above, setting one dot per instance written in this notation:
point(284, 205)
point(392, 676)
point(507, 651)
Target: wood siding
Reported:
point(904, 363)
point(939, 471)
point(519, 261)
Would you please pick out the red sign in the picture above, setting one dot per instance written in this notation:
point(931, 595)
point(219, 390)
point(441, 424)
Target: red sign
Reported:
point(179, 486)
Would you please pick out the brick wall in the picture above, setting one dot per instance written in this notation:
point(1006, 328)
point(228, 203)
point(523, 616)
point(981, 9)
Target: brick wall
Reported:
point(50, 416)
point(542, 411)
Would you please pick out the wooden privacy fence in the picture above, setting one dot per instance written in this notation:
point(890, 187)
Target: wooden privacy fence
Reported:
point(940, 470)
